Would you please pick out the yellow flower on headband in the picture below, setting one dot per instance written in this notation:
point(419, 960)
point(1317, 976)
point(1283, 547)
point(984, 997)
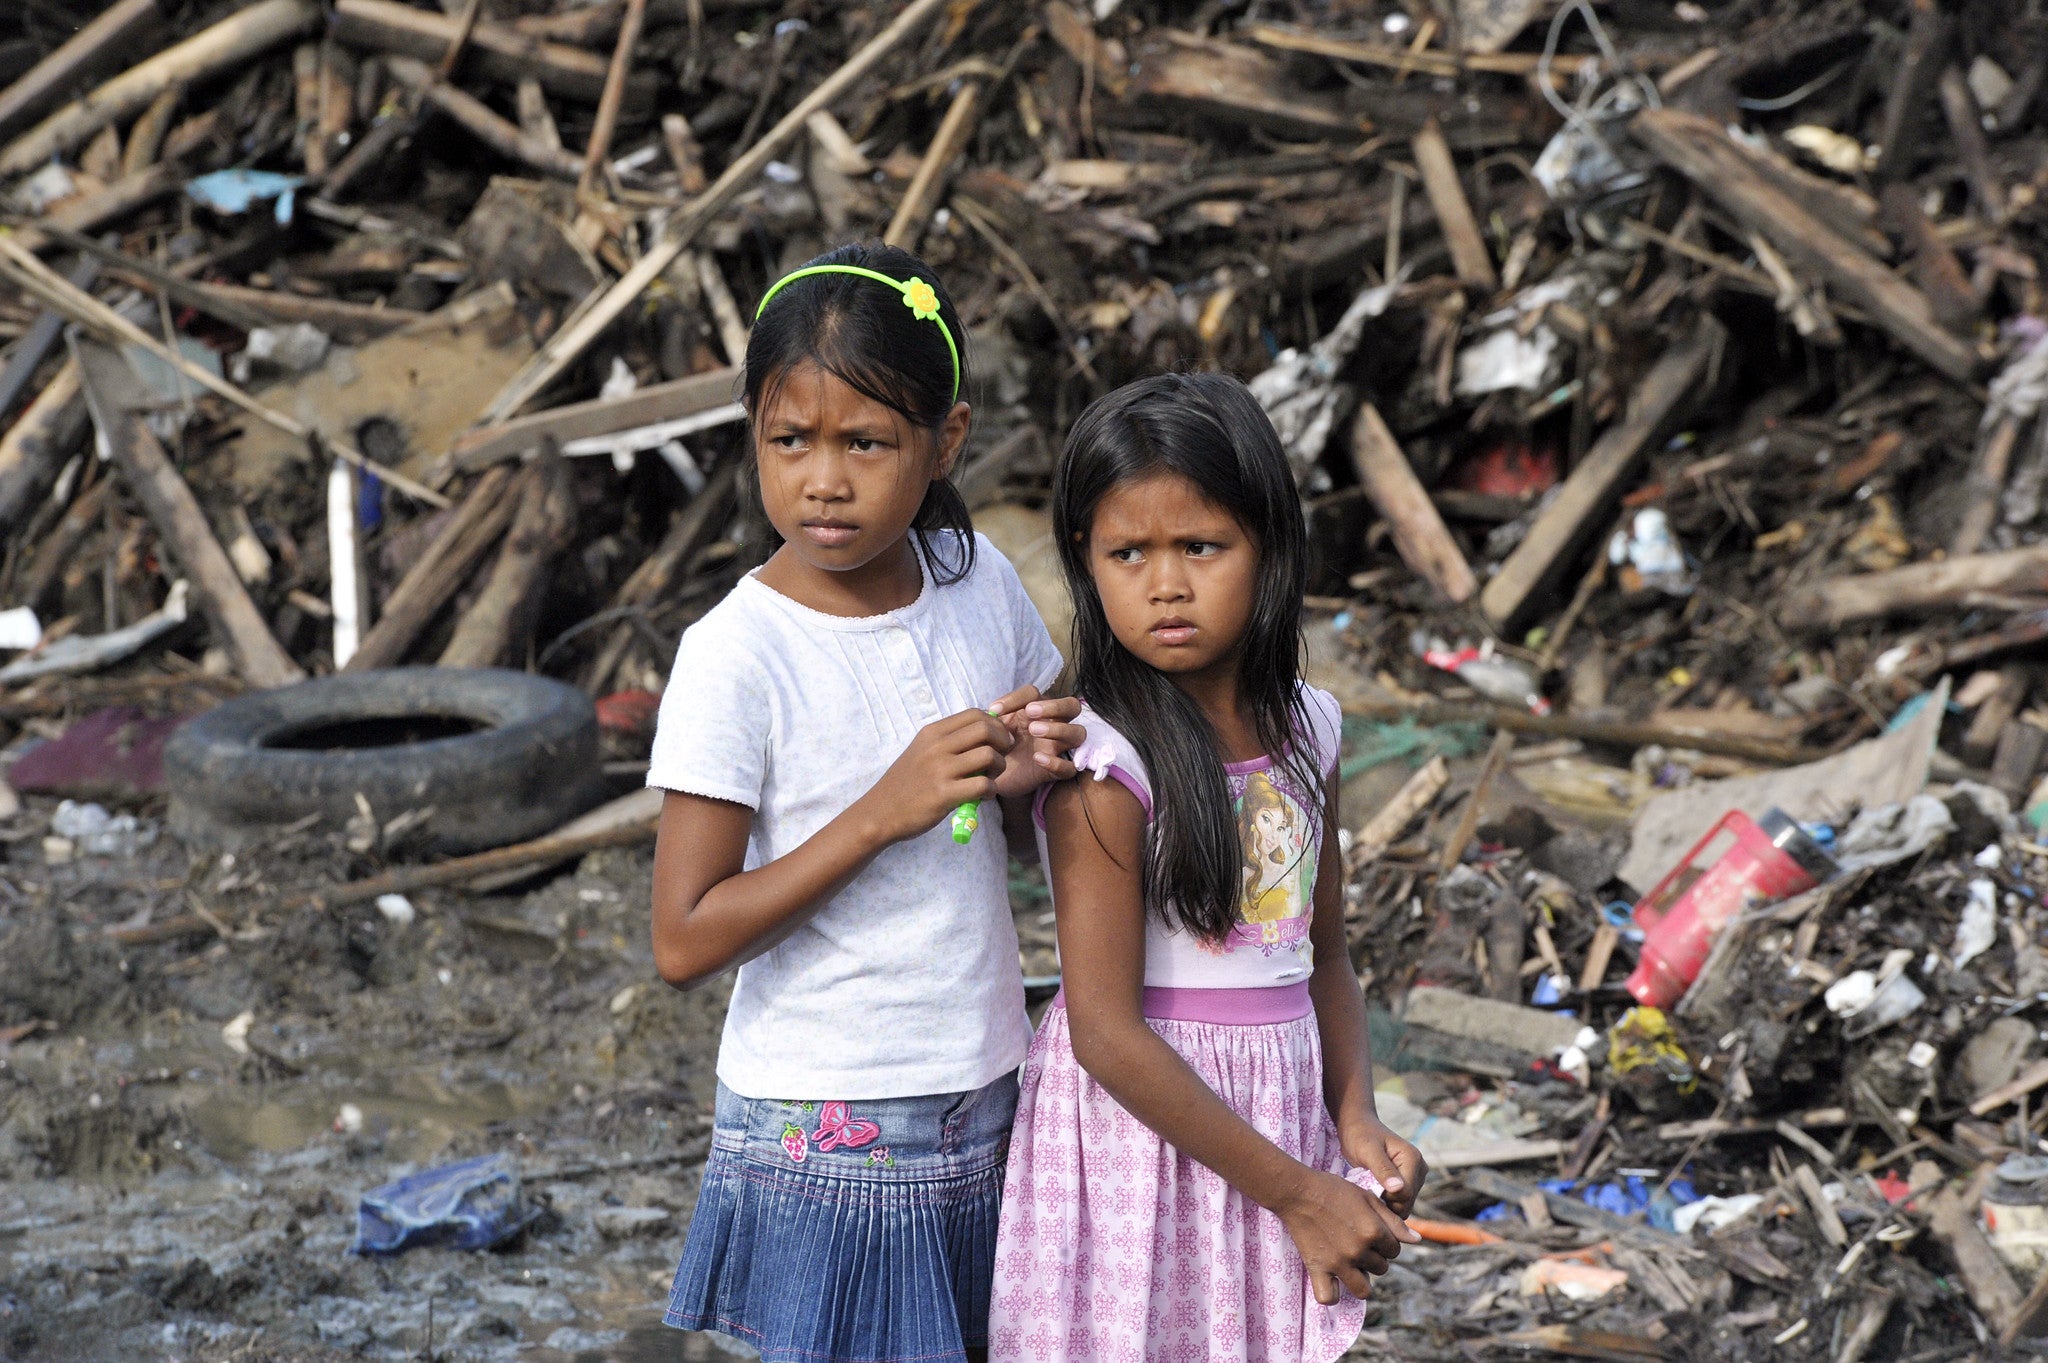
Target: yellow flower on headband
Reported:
point(921, 299)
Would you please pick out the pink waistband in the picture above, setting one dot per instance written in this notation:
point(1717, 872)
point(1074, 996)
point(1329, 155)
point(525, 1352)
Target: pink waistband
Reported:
point(1229, 1007)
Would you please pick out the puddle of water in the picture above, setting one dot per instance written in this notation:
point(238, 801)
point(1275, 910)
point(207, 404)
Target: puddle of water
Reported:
point(416, 1112)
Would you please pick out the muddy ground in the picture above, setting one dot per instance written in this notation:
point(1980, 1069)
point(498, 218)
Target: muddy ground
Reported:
point(164, 1196)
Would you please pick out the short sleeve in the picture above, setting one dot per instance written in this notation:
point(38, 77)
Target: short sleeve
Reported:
point(711, 737)
point(1038, 659)
point(1325, 728)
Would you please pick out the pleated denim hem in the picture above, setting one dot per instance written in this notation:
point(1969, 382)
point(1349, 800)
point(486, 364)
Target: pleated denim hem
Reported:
point(862, 1232)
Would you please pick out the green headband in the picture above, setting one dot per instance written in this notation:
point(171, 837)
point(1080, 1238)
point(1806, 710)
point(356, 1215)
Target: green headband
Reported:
point(918, 296)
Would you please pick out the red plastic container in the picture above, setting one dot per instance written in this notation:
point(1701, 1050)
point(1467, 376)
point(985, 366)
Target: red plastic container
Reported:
point(1768, 861)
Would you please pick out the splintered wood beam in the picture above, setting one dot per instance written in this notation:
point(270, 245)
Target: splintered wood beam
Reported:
point(1700, 151)
point(1585, 500)
point(168, 501)
point(1968, 580)
point(1453, 210)
point(1420, 536)
point(492, 50)
point(906, 228)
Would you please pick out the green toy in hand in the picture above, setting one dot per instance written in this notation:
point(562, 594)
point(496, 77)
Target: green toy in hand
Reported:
point(967, 817)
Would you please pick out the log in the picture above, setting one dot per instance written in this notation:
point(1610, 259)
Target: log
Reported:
point(2026, 1082)
point(1973, 579)
point(493, 50)
point(236, 623)
point(430, 583)
point(906, 228)
point(223, 47)
point(1429, 62)
point(1586, 499)
point(499, 134)
point(335, 112)
point(35, 445)
point(614, 91)
point(1453, 210)
point(602, 309)
point(1701, 152)
point(545, 526)
point(85, 53)
point(1420, 536)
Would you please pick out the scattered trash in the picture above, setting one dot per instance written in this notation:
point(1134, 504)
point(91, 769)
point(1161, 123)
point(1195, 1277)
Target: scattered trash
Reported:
point(397, 910)
point(471, 1204)
point(93, 832)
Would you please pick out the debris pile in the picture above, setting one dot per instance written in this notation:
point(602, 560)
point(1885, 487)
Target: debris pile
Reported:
point(1664, 388)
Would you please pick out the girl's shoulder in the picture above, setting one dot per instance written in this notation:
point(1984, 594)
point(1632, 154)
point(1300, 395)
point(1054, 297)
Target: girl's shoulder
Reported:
point(1323, 719)
point(1107, 755)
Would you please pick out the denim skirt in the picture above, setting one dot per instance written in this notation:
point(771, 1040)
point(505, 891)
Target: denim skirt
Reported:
point(849, 1232)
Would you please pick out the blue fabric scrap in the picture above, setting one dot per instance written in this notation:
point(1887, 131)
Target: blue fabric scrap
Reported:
point(237, 191)
point(472, 1204)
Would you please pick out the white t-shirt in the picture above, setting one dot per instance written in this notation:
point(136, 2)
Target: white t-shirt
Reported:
point(906, 982)
point(1280, 833)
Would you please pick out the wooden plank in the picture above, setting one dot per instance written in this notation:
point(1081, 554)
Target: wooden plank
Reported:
point(1586, 498)
point(1453, 210)
point(607, 121)
point(1529, 1030)
point(599, 416)
point(1420, 536)
point(89, 212)
point(1699, 150)
point(504, 611)
point(224, 46)
point(81, 55)
point(499, 134)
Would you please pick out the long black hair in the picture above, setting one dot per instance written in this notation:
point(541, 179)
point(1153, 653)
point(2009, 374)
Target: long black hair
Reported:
point(1208, 429)
point(859, 331)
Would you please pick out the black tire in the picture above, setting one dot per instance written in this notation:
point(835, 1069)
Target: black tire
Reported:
point(499, 756)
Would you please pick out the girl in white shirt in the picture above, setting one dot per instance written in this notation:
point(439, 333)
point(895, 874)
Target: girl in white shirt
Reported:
point(823, 740)
point(1198, 1172)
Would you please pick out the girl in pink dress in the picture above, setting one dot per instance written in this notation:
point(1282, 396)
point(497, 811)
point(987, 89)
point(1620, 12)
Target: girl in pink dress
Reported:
point(1197, 1171)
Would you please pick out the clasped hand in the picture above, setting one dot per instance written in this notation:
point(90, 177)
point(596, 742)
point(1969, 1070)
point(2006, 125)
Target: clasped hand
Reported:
point(1017, 745)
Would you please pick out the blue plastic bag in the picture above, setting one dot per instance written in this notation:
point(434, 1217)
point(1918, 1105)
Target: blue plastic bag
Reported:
point(234, 192)
point(473, 1204)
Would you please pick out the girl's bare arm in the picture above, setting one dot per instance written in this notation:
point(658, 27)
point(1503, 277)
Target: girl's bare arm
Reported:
point(1347, 1049)
point(1095, 833)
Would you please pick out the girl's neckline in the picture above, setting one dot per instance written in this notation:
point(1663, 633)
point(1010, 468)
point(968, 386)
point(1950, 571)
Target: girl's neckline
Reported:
point(858, 622)
point(1262, 762)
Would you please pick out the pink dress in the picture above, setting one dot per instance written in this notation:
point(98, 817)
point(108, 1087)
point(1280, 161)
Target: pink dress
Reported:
point(1116, 1248)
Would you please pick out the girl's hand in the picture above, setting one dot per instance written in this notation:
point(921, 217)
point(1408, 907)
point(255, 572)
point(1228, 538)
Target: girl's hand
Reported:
point(951, 761)
point(1343, 1233)
point(1045, 733)
point(1370, 1144)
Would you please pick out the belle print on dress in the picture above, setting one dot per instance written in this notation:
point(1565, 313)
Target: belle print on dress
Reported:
point(1279, 864)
